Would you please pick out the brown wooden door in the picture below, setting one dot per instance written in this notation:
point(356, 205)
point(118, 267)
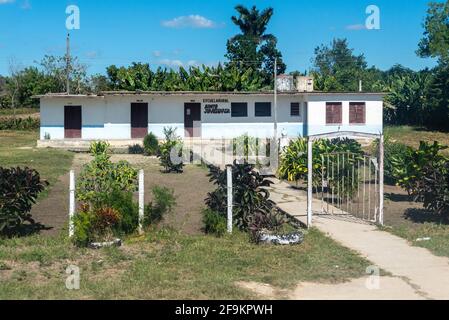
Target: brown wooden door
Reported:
point(72, 122)
point(192, 119)
point(139, 120)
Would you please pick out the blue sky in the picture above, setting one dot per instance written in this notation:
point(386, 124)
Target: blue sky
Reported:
point(184, 32)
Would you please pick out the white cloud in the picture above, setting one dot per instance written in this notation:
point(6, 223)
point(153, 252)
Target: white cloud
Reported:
point(6, 1)
point(356, 27)
point(191, 21)
point(171, 63)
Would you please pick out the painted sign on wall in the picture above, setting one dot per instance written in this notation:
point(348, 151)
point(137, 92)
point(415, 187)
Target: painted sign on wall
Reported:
point(216, 106)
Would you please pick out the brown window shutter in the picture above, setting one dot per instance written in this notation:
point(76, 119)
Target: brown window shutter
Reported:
point(334, 113)
point(357, 113)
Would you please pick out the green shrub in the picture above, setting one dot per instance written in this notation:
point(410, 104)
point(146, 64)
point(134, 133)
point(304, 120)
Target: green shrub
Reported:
point(19, 189)
point(100, 177)
point(95, 225)
point(249, 189)
point(214, 223)
point(136, 149)
point(124, 203)
point(151, 144)
point(163, 204)
point(19, 124)
point(170, 148)
point(82, 223)
point(424, 174)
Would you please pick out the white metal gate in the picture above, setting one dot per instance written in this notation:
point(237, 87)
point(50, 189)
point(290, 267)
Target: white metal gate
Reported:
point(347, 184)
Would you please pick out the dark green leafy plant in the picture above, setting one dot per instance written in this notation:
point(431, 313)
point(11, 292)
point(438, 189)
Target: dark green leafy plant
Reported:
point(170, 152)
point(150, 144)
point(19, 189)
point(249, 193)
point(163, 204)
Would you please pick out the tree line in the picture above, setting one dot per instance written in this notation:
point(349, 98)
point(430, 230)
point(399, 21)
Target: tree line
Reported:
point(419, 98)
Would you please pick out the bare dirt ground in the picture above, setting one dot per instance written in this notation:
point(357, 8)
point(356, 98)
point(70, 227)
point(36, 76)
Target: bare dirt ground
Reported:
point(191, 188)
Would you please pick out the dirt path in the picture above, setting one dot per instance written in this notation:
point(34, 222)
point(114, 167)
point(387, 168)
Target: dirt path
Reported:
point(390, 288)
point(191, 188)
point(427, 274)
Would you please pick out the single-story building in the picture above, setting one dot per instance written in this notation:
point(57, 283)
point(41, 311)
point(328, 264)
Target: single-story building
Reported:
point(129, 116)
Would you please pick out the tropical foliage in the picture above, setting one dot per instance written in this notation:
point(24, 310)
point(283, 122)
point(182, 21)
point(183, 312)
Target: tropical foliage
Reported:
point(293, 164)
point(424, 173)
point(249, 193)
point(19, 189)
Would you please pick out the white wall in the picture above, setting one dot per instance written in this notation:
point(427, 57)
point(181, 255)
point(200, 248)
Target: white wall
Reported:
point(110, 117)
point(316, 122)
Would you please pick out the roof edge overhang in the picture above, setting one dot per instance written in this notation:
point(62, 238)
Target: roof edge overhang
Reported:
point(205, 93)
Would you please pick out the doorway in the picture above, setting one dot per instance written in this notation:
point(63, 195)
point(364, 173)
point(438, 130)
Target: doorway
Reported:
point(192, 120)
point(72, 122)
point(139, 120)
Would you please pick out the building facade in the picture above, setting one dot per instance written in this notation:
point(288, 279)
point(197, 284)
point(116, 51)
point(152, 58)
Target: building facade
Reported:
point(208, 115)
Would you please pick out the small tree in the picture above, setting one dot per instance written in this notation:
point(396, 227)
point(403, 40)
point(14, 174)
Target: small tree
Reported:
point(170, 152)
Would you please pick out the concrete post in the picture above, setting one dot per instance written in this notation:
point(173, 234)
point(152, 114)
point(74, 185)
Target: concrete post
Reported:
point(230, 200)
point(309, 181)
point(71, 203)
point(381, 180)
point(141, 200)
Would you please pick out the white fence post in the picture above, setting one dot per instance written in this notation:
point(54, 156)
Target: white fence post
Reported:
point(230, 200)
point(309, 182)
point(141, 200)
point(71, 203)
point(381, 180)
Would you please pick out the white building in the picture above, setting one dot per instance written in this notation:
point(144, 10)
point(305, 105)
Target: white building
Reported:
point(125, 116)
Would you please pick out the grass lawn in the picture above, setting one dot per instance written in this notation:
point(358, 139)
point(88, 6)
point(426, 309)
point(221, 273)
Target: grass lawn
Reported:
point(412, 135)
point(19, 149)
point(166, 264)
point(408, 219)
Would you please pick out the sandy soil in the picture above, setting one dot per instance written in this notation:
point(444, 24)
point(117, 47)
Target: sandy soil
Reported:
point(191, 188)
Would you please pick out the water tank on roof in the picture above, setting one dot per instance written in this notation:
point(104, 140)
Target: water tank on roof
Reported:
point(304, 84)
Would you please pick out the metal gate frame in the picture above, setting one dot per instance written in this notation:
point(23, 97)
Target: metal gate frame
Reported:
point(344, 134)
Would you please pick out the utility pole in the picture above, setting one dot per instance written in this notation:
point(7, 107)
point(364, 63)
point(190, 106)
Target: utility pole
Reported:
point(68, 63)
